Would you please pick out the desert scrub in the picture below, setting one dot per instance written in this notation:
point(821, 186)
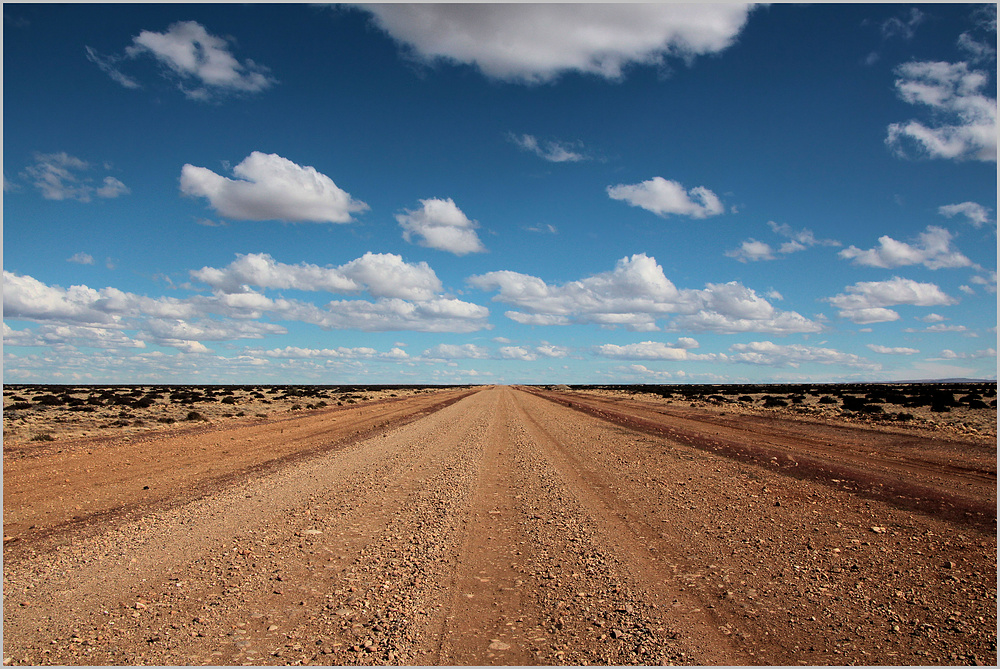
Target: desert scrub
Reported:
point(43, 437)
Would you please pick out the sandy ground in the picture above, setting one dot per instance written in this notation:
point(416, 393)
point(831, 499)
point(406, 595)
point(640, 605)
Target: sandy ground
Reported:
point(500, 526)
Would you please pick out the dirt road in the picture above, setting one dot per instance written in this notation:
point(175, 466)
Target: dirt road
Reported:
point(501, 528)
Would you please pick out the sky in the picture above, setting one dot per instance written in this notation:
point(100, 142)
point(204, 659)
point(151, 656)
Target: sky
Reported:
point(487, 193)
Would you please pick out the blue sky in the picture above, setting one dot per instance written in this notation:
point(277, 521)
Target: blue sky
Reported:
point(499, 193)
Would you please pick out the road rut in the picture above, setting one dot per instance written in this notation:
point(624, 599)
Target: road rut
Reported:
point(505, 529)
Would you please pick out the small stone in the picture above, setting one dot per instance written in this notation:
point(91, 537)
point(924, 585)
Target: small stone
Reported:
point(497, 644)
point(950, 565)
point(272, 628)
point(617, 634)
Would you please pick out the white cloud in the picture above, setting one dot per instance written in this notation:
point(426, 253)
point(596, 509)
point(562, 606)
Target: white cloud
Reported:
point(27, 298)
point(381, 274)
point(798, 240)
point(866, 302)
point(81, 258)
point(440, 224)
point(903, 26)
point(974, 213)
point(663, 197)
point(339, 353)
point(932, 318)
point(58, 176)
point(751, 250)
point(793, 355)
point(516, 353)
point(237, 315)
point(535, 43)
point(456, 352)
point(270, 187)
point(70, 335)
point(948, 354)
point(110, 66)
point(652, 350)
point(554, 152)
point(932, 250)
point(112, 188)
point(642, 371)
point(946, 328)
point(634, 294)
point(194, 55)
point(967, 119)
point(892, 350)
point(164, 329)
point(977, 51)
point(989, 282)
point(778, 322)
point(393, 314)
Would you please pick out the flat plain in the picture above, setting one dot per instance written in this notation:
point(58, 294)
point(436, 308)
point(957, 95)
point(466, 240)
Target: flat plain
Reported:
point(500, 525)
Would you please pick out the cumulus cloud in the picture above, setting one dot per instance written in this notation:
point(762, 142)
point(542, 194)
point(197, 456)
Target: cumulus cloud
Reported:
point(965, 125)
point(866, 301)
point(664, 197)
point(988, 282)
point(974, 213)
point(445, 352)
point(440, 224)
point(269, 187)
point(59, 176)
point(381, 274)
point(752, 251)
point(456, 352)
point(892, 350)
point(798, 240)
point(75, 336)
point(339, 353)
point(948, 354)
point(932, 250)
point(634, 294)
point(904, 25)
point(554, 152)
point(794, 355)
point(202, 62)
point(81, 258)
point(393, 314)
point(652, 350)
point(536, 43)
point(224, 316)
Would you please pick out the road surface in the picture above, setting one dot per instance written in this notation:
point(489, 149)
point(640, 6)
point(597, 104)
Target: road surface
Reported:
point(494, 526)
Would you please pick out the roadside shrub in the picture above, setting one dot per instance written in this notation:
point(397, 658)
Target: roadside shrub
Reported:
point(18, 406)
point(851, 403)
point(43, 437)
point(774, 402)
point(194, 415)
point(166, 420)
point(48, 400)
point(745, 398)
point(229, 399)
point(826, 399)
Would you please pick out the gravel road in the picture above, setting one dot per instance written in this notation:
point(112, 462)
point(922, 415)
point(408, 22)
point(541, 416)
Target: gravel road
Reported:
point(497, 527)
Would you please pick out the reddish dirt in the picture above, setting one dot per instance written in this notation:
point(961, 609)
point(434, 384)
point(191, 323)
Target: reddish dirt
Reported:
point(498, 526)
